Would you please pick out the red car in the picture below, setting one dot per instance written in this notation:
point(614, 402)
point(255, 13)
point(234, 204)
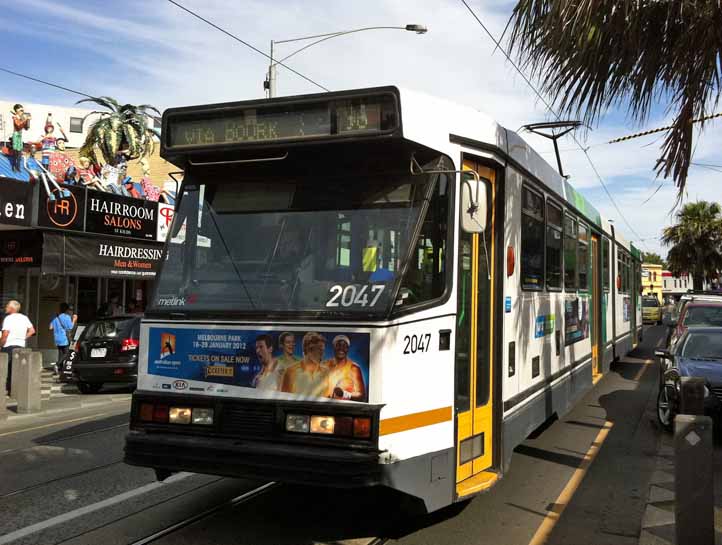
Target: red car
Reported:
point(697, 314)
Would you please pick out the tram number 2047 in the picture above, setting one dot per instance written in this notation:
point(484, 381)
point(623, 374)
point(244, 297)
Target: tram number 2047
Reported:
point(417, 343)
point(346, 296)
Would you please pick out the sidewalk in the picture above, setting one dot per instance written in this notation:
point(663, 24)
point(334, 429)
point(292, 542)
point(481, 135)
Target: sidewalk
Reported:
point(658, 520)
point(57, 396)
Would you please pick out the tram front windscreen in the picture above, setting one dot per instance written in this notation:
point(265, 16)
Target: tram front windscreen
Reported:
point(293, 245)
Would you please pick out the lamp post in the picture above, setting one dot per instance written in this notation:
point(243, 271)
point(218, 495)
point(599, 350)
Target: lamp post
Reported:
point(270, 83)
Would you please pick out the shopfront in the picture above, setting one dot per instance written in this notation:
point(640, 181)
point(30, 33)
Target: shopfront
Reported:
point(84, 247)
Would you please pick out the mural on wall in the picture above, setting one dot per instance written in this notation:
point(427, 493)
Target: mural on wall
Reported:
point(576, 320)
point(120, 134)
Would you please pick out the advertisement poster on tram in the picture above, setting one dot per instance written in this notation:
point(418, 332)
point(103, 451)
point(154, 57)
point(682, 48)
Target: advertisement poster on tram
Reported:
point(576, 320)
point(308, 364)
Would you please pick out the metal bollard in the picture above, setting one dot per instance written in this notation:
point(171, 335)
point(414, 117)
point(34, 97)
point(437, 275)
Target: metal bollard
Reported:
point(692, 395)
point(4, 362)
point(27, 381)
point(693, 479)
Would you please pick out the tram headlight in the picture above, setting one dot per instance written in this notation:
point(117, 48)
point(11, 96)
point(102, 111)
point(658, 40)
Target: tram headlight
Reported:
point(202, 416)
point(298, 423)
point(179, 415)
point(322, 424)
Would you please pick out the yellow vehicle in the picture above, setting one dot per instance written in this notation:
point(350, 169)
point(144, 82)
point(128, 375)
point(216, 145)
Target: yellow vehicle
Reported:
point(651, 310)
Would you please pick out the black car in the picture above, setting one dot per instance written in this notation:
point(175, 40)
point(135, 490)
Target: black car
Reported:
point(698, 353)
point(107, 351)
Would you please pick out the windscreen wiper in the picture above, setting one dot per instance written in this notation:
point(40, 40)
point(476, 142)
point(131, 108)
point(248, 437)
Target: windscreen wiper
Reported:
point(228, 251)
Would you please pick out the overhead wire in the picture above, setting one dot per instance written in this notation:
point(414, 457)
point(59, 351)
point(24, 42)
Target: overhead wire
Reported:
point(58, 86)
point(556, 115)
point(239, 40)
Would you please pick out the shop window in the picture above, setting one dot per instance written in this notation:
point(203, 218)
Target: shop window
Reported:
point(532, 240)
point(570, 252)
point(554, 246)
point(76, 124)
point(583, 257)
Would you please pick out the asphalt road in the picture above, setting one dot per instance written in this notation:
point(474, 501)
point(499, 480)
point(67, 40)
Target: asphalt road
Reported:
point(64, 482)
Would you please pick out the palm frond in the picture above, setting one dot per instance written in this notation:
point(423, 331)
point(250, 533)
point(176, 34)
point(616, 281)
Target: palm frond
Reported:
point(592, 55)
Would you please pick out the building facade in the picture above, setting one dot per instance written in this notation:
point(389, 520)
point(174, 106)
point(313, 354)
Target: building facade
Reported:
point(675, 286)
point(75, 243)
point(652, 280)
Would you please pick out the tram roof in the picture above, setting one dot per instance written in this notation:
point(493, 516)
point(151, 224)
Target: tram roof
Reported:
point(431, 121)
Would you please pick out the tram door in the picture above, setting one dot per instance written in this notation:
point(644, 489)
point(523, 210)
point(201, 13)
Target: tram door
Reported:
point(474, 333)
point(596, 315)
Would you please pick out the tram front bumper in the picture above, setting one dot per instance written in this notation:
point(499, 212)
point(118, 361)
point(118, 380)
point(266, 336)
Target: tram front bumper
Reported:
point(253, 459)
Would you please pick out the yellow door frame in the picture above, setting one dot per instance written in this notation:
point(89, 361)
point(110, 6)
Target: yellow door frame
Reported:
point(475, 426)
point(596, 313)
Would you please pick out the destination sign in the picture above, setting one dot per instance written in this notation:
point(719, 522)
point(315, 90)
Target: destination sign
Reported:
point(276, 122)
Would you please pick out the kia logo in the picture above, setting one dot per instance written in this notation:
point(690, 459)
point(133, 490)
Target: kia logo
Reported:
point(180, 384)
point(63, 210)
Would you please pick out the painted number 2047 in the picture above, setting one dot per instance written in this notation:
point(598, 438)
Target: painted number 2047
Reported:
point(417, 343)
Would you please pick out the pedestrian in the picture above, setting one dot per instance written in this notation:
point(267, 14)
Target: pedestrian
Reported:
point(62, 327)
point(16, 329)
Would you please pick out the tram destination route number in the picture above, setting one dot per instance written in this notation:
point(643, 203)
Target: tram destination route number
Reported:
point(288, 122)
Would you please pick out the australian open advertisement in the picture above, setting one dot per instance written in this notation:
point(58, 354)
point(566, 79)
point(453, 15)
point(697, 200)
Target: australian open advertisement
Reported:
point(279, 363)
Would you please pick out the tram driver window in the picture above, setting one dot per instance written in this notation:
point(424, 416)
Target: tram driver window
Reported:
point(570, 252)
point(425, 277)
point(532, 240)
point(554, 247)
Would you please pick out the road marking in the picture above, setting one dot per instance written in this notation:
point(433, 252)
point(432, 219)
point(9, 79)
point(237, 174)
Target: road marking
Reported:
point(98, 415)
point(65, 517)
point(641, 371)
point(545, 528)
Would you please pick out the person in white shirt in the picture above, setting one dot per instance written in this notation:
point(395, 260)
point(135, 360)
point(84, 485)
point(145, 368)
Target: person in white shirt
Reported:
point(16, 329)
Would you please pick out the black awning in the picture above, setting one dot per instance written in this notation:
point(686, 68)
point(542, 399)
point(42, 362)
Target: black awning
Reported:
point(100, 257)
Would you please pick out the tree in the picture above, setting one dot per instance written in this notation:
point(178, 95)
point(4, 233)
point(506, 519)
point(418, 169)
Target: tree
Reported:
point(651, 257)
point(696, 241)
point(124, 128)
point(589, 55)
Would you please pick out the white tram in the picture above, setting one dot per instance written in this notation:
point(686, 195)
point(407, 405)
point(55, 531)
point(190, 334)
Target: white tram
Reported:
point(372, 287)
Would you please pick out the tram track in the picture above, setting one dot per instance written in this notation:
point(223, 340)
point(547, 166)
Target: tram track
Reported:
point(63, 438)
point(58, 479)
point(242, 498)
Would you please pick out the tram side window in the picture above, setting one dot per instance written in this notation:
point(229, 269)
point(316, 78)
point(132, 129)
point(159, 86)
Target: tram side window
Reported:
point(554, 246)
point(532, 241)
point(583, 256)
point(605, 263)
point(570, 252)
point(620, 271)
point(425, 278)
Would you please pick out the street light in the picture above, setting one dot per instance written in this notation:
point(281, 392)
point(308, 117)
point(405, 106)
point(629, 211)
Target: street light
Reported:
point(270, 83)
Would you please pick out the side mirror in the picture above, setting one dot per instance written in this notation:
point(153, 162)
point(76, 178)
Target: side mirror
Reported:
point(664, 354)
point(473, 203)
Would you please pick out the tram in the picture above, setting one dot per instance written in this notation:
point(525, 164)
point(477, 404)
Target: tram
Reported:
point(370, 288)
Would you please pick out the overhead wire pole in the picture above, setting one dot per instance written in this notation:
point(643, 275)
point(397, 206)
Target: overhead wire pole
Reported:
point(239, 40)
point(556, 115)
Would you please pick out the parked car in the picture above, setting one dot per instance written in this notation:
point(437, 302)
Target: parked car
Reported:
point(107, 351)
point(651, 310)
point(698, 353)
point(696, 313)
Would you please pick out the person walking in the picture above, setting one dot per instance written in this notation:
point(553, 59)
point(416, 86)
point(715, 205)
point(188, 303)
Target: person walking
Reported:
point(16, 329)
point(62, 327)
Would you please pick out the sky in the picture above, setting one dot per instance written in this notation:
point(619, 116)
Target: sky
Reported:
point(150, 51)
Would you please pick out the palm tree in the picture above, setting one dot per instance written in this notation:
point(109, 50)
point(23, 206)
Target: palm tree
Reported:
point(589, 55)
point(696, 241)
point(124, 128)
